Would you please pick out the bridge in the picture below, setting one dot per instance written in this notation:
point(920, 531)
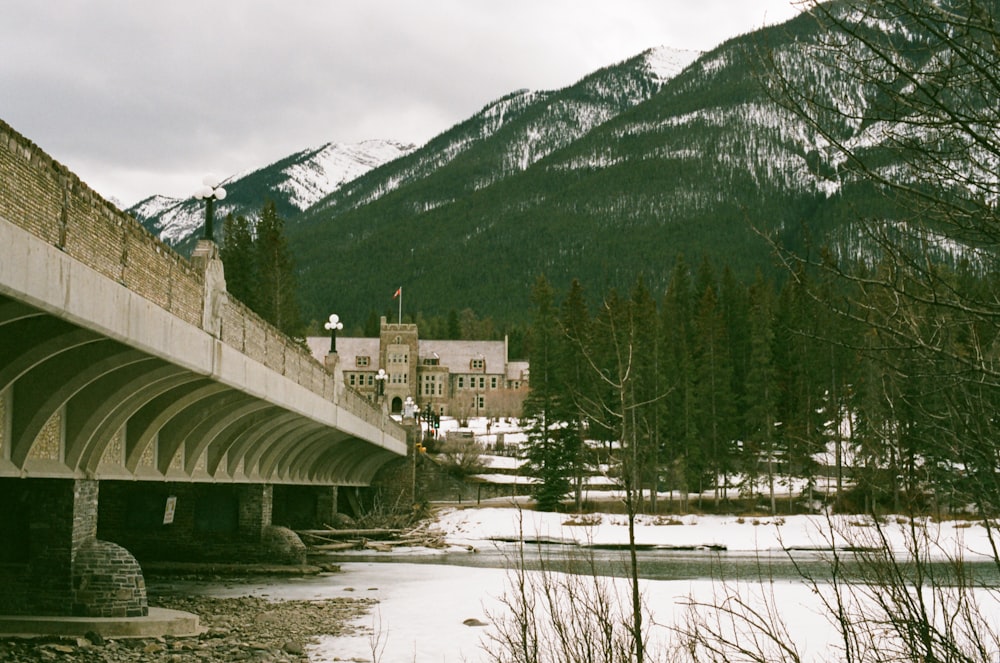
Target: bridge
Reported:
point(144, 413)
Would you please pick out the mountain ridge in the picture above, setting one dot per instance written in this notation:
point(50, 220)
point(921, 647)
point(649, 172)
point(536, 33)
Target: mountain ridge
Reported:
point(294, 183)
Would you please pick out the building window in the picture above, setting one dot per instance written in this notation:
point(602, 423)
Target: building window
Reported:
point(350, 379)
point(478, 364)
point(482, 383)
point(493, 382)
point(461, 382)
point(371, 380)
point(361, 362)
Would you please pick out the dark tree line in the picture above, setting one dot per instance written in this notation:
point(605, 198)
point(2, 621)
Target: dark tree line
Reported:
point(715, 384)
point(259, 268)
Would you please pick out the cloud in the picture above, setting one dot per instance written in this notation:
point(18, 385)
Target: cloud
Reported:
point(136, 97)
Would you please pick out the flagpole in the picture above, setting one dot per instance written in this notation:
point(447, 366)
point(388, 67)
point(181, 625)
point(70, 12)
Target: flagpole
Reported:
point(400, 291)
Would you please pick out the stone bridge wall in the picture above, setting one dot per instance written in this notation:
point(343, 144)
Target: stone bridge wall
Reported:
point(43, 197)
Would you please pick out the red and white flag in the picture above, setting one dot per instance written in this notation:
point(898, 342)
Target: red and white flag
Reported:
point(399, 291)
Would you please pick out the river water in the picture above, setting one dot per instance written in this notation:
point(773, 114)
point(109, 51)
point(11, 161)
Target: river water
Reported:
point(666, 564)
point(425, 599)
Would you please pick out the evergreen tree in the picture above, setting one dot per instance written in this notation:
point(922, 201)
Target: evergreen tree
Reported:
point(677, 422)
point(761, 414)
point(547, 457)
point(575, 376)
point(239, 260)
point(454, 327)
point(713, 389)
point(276, 291)
point(645, 386)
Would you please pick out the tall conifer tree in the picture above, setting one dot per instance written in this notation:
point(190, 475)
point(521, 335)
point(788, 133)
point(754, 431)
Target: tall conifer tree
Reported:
point(547, 458)
point(239, 260)
point(277, 293)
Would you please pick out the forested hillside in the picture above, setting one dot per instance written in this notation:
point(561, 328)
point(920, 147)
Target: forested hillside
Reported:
point(701, 166)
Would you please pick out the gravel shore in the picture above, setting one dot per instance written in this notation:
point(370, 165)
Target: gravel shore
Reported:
point(235, 629)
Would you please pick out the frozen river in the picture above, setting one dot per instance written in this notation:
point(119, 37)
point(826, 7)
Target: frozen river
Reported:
point(424, 600)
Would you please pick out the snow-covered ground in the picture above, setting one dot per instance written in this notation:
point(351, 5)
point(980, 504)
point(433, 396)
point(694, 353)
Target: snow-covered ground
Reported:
point(434, 613)
point(422, 608)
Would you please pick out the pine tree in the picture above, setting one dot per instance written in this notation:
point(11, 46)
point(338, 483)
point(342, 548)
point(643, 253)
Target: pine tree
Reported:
point(547, 457)
point(677, 422)
point(713, 389)
point(276, 291)
point(575, 375)
point(761, 415)
point(239, 260)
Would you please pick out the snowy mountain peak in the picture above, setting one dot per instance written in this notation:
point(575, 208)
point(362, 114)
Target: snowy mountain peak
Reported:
point(664, 62)
point(295, 183)
point(319, 172)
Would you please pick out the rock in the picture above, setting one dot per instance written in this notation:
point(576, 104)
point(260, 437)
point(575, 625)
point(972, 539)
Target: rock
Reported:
point(343, 521)
point(294, 648)
point(61, 649)
point(95, 638)
point(472, 621)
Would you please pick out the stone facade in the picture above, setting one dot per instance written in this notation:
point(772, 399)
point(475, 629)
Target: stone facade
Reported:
point(53, 520)
point(456, 378)
point(107, 582)
point(43, 197)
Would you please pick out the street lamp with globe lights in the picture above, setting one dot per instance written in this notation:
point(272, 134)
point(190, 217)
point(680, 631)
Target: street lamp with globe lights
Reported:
point(210, 192)
point(332, 326)
point(380, 379)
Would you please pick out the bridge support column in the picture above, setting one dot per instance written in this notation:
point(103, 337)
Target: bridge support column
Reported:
point(64, 569)
point(326, 505)
point(278, 545)
point(256, 506)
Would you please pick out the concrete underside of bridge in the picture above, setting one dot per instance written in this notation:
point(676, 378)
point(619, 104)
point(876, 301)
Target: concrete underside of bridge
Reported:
point(145, 414)
point(192, 445)
point(76, 547)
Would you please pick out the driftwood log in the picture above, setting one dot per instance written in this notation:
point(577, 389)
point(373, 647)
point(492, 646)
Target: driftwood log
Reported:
point(377, 539)
point(350, 533)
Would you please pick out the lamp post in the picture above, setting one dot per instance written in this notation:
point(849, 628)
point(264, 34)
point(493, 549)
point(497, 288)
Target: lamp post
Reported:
point(210, 192)
point(380, 379)
point(332, 326)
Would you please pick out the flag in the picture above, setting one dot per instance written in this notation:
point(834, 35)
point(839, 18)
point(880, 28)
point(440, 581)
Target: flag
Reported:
point(399, 291)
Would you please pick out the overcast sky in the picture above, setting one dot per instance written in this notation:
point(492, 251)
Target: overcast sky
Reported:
point(140, 96)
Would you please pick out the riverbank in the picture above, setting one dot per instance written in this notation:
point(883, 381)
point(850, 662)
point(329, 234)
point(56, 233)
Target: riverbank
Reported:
point(242, 628)
point(413, 611)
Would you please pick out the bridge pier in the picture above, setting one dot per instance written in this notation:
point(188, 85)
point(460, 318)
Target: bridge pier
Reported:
point(211, 523)
point(53, 563)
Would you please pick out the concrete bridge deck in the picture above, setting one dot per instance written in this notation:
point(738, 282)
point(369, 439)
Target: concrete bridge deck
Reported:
point(120, 359)
point(144, 414)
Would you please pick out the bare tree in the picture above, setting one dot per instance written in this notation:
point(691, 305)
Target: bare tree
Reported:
point(900, 97)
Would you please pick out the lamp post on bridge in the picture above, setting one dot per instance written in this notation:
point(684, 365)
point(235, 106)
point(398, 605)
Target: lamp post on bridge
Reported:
point(210, 192)
point(332, 325)
point(380, 379)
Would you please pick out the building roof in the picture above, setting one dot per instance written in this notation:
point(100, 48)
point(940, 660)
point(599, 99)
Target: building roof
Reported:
point(349, 348)
point(518, 370)
point(456, 355)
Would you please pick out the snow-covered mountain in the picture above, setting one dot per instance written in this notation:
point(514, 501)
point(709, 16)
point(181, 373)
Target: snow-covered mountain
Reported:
point(520, 129)
point(293, 183)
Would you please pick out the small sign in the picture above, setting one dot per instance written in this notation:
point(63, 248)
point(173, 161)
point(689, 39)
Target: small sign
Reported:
point(168, 513)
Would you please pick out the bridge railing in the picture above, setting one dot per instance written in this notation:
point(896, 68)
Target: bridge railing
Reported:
point(44, 198)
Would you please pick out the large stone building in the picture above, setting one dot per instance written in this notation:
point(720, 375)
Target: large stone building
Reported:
point(456, 378)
